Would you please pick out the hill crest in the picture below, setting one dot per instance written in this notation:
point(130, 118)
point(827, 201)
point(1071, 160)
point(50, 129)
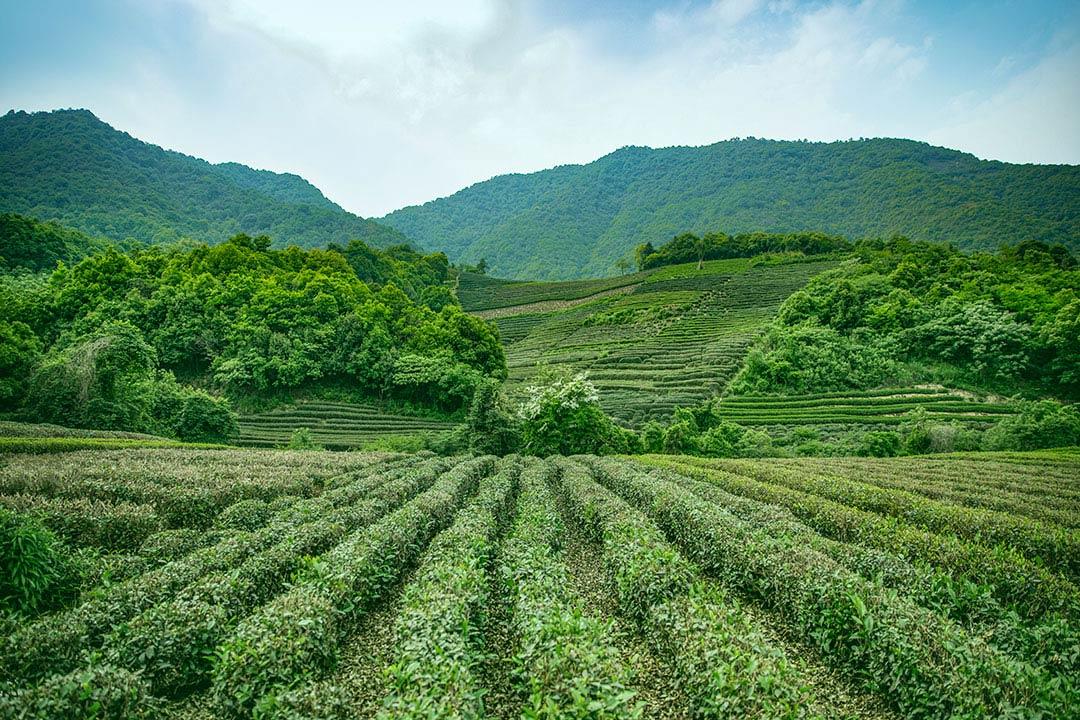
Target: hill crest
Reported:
point(575, 221)
point(72, 167)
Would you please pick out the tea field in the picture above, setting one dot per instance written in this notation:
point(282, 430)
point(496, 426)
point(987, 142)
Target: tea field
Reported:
point(334, 425)
point(652, 341)
point(226, 583)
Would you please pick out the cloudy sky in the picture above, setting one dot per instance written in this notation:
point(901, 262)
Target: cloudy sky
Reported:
point(385, 104)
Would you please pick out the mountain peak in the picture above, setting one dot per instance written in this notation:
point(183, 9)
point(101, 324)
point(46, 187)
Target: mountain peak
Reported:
point(580, 220)
point(72, 167)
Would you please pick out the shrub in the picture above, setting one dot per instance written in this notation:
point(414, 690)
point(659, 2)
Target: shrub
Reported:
point(99, 692)
point(879, 443)
point(1042, 424)
point(562, 416)
point(190, 414)
point(167, 545)
point(19, 352)
point(36, 571)
point(249, 514)
point(811, 358)
point(490, 428)
point(302, 439)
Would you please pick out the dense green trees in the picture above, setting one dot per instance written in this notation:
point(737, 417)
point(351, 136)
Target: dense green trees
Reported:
point(902, 311)
point(27, 243)
point(687, 247)
point(108, 379)
point(118, 328)
point(71, 167)
point(578, 221)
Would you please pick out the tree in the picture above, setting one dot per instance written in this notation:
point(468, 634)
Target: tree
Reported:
point(490, 428)
point(482, 267)
point(562, 416)
point(642, 253)
point(100, 380)
point(988, 341)
point(19, 352)
point(1062, 335)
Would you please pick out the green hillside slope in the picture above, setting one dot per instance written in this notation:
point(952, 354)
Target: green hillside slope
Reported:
point(71, 167)
point(670, 337)
point(579, 220)
point(334, 425)
point(28, 243)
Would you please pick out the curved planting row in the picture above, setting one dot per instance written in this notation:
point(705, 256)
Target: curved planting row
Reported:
point(565, 664)
point(1049, 641)
point(1014, 580)
point(1042, 509)
point(90, 523)
point(438, 649)
point(184, 487)
point(725, 665)
point(173, 643)
point(294, 639)
point(58, 642)
point(1055, 547)
point(921, 663)
point(968, 472)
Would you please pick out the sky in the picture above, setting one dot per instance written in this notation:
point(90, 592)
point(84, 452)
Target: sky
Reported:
point(383, 105)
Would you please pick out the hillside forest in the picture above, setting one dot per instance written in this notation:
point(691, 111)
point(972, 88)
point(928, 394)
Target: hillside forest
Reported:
point(171, 339)
point(582, 221)
point(156, 339)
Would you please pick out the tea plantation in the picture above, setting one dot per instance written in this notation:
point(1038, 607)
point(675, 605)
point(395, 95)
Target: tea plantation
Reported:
point(651, 341)
point(218, 583)
point(333, 425)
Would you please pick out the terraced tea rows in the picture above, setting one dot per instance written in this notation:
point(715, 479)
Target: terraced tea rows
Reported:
point(316, 585)
point(876, 407)
point(675, 339)
point(479, 292)
point(337, 426)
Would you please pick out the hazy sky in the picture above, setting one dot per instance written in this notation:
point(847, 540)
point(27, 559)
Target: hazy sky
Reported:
point(393, 103)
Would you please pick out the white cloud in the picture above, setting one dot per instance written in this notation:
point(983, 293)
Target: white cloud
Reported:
point(1033, 118)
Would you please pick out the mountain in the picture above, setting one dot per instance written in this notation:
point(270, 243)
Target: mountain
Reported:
point(38, 246)
point(579, 220)
point(71, 167)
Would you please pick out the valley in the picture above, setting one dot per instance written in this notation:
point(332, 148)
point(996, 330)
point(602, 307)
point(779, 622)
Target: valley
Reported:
point(748, 428)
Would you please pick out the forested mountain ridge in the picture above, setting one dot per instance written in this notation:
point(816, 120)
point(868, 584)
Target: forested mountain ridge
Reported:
point(71, 167)
point(581, 220)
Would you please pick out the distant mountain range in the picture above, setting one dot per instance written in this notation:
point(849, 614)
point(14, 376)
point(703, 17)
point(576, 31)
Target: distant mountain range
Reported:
point(71, 167)
point(568, 222)
point(579, 220)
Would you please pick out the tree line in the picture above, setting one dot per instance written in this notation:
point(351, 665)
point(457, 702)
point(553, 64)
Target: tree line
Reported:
point(158, 339)
point(688, 247)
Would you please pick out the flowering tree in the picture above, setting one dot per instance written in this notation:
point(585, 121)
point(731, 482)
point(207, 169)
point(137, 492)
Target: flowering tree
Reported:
point(563, 416)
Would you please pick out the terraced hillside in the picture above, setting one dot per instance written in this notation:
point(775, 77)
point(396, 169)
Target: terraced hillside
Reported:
point(267, 584)
point(334, 425)
point(665, 338)
point(885, 406)
point(480, 292)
